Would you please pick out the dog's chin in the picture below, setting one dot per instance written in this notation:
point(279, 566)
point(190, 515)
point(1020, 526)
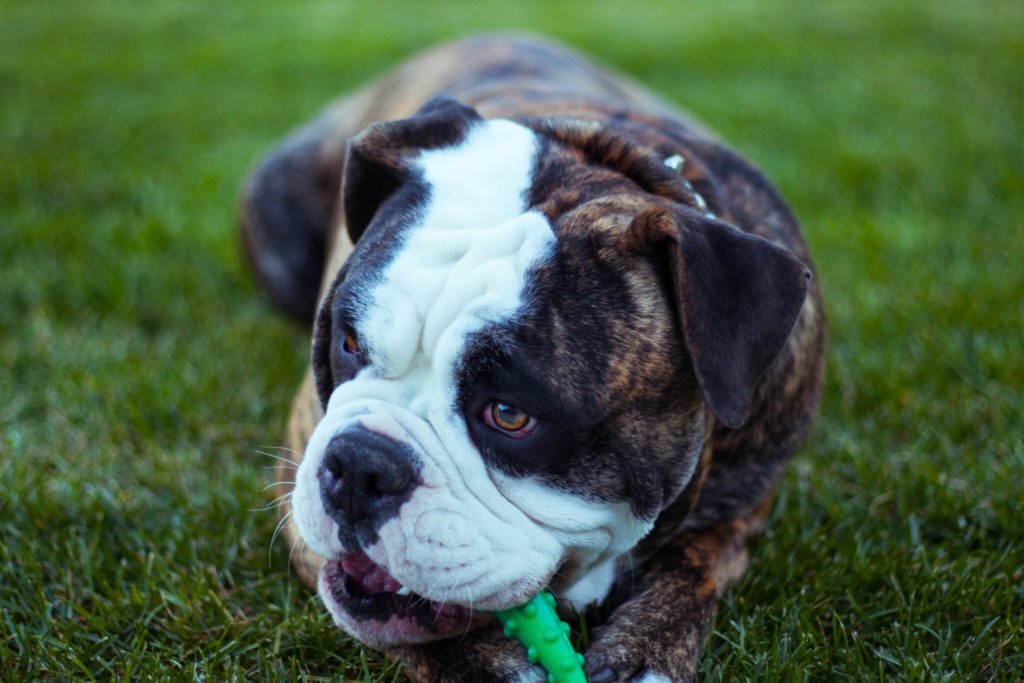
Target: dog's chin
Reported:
point(372, 607)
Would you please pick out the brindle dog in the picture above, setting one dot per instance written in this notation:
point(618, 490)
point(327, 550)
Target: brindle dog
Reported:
point(609, 179)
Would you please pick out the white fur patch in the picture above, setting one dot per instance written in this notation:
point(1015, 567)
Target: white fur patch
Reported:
point(465, 264)
point(595, 534)
point(651, 677)
point(467, 535)
point(592, 587)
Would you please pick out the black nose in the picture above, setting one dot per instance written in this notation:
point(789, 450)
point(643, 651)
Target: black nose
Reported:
point(365, 478)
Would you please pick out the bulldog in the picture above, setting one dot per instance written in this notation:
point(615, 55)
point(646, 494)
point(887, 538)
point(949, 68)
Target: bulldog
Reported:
point(562, 338)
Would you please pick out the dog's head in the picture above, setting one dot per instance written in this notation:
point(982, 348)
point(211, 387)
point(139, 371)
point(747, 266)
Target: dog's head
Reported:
point(516, 363)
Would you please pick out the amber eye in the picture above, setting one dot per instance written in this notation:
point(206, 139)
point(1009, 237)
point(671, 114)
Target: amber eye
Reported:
point(508, 417)
point(513, 421)
point(350, 344)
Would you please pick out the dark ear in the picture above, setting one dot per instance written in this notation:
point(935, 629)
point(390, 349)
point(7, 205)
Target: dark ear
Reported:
point(738, 297)
point(377, 162)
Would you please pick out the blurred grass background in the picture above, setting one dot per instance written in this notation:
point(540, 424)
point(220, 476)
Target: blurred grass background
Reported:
point(140, 371)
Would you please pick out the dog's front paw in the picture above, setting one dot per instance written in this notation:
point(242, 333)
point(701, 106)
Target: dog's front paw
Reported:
point(606, 675)
point(645, 677)
point(624, 672)
point(618, 656)
point(484, 655)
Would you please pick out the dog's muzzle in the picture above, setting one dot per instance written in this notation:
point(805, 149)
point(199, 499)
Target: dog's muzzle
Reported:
point(418, 540)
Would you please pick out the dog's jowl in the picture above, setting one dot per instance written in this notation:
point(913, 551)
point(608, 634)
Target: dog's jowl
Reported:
point(563, 338)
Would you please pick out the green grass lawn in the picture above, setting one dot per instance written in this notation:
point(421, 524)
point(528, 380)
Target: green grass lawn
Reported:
point(141, 373)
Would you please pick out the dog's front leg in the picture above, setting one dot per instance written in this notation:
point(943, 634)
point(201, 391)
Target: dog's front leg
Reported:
point(657, 634)
point(484, 655)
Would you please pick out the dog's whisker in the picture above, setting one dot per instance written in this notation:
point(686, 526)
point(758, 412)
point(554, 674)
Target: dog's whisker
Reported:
point(278, 467)
point(274, 504)
point(271, 506)
point(423, 598)
point(278, 483)
point(279, 501)
point(441, 604)
point(469, 621)
point(281, 447)
point(280, 458)
point(285, 518)
point(434, 585)
point(291, 552)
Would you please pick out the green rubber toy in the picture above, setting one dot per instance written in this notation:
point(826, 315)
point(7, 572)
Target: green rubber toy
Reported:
point(545, 637)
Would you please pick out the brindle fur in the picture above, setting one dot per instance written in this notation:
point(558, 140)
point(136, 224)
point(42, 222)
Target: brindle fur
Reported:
point(697, 549)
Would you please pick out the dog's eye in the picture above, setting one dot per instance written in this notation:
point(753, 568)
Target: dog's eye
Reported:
point(346, 357)
point(509, 419)
point(350, 344)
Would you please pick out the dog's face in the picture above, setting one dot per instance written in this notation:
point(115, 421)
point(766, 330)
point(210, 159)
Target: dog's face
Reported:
point(516, 363)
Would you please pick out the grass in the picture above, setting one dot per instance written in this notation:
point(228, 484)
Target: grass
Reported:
point(141, 373)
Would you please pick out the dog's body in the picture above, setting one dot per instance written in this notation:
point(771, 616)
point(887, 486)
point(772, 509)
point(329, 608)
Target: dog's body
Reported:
point(549, 359)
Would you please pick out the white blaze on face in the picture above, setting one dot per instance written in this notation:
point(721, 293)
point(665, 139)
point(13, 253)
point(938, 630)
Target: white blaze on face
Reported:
point(466, 535)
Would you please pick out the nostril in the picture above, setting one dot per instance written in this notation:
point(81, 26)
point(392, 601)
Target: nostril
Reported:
point(336, 470)
point(386, 479)
point(372, 483)
point(334, 460)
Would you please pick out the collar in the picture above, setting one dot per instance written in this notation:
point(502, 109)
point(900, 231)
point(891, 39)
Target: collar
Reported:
point(676, 163)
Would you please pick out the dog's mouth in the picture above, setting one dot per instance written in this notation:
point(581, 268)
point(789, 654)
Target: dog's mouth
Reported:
point(378, 610)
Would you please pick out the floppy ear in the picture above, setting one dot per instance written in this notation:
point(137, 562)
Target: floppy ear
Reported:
point(738, 297)
point(378, 159)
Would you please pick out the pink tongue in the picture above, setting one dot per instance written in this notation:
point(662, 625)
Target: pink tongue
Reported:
point(370, 578)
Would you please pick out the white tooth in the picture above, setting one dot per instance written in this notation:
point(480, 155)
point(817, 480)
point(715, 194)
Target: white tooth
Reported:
point(402, 590)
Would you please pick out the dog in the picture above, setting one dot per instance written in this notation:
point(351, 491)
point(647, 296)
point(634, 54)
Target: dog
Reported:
point(562, 338)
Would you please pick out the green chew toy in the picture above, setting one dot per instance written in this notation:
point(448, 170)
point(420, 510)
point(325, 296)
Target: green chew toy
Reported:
point(545, 637)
